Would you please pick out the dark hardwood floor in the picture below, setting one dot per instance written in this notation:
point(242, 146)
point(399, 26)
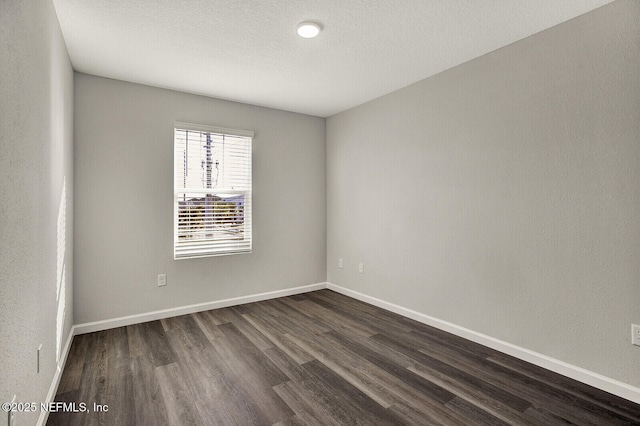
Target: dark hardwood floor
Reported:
point(316, 358)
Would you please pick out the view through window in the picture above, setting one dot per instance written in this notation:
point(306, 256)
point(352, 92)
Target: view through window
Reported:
point(212, 191)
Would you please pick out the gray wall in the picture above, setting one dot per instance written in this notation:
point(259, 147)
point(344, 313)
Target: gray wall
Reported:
point(124, 196)
point(503, 195)
point(36, 219)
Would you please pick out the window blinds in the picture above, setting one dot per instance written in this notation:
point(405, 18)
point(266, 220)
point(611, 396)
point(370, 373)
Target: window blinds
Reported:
point(212, 191)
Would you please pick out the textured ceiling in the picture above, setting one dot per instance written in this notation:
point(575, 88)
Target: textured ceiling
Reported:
point(248, 51)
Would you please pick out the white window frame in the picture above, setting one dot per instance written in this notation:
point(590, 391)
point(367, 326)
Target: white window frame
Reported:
point(212, 247)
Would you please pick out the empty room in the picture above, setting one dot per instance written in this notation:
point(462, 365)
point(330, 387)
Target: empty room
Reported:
point(293, 212)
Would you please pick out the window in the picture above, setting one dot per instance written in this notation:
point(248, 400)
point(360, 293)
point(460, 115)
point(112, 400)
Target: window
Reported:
point(212, 191)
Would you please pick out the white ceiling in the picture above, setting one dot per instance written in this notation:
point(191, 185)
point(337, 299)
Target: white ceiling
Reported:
point(248, 50)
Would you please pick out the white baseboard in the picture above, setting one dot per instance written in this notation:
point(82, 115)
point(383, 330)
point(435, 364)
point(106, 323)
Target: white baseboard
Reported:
point(53, 389)
point(599, 381)
point(90, 327)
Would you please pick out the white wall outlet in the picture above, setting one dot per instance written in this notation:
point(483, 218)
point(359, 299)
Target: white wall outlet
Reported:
point(635, 334)
point(361, 268)
point(38, 359)
point(11, 415)
point(162, 280)
point(340, 263)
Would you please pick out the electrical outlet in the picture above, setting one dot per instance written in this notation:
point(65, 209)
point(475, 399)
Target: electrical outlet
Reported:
point(11, 415)
point(162, 280)
point(340, 263)
point(361, 268)
point(38, 359)
point(635, 334)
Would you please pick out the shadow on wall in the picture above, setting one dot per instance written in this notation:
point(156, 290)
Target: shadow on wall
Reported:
point(60, 269)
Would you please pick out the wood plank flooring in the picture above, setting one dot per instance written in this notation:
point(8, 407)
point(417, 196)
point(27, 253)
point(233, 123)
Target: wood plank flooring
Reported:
point(316, 358)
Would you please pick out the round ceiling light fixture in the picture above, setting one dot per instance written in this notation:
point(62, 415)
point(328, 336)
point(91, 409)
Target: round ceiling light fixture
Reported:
point(308, 29)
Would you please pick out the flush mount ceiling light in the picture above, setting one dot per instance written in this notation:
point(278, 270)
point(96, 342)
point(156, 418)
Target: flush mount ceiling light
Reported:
point(308, 29)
